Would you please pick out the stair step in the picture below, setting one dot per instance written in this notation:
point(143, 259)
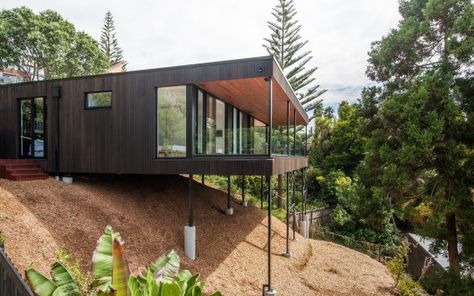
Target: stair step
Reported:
point(21, 170)
point(29, 178)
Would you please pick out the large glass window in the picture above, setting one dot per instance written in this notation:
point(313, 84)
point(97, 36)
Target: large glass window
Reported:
point(171, 112)
point(98, 100)
point(259, 137)
point(215, 132)
point(223, 129)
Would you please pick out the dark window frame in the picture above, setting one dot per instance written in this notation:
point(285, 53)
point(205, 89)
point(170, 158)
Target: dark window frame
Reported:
point(156, 136)
point(205, 154)
point(86, 100)
point(45, 119)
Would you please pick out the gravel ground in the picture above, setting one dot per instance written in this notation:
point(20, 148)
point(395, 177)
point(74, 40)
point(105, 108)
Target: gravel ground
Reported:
point(37, 217)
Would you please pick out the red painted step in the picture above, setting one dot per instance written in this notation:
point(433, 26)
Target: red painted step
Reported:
point(21, 170)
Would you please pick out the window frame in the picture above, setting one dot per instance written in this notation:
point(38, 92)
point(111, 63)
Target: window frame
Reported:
point(156, 133)
point(86, 100)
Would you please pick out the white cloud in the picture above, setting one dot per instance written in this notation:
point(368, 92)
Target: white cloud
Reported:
point(156, 33)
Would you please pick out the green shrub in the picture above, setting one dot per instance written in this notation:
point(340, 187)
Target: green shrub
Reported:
point(404, 283)
point(448, 283)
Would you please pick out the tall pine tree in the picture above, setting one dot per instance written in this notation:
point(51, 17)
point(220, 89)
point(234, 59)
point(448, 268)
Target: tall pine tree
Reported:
point(286, 46)
point(109, 43)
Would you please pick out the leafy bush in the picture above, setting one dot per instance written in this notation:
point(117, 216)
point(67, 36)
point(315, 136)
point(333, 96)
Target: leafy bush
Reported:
point(448, 283)
point(405, 284)
point(111, 276)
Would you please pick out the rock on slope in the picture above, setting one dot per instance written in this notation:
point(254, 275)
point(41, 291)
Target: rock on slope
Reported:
point(150, 212)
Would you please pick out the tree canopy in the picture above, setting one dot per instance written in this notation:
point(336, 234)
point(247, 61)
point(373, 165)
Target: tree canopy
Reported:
point(46, 46)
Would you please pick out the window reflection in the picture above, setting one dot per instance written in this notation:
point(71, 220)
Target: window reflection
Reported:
point(171, 121)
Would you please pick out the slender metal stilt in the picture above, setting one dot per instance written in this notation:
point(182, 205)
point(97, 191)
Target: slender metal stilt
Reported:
point(261, 192)
point(190, 201)
point(202, 179)
point(229, 210)
point(294, 203)
point(244, 202)
point(287, 252)
point(269, 251)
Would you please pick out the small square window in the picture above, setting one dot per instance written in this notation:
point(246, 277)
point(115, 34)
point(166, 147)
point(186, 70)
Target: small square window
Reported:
point(98, 100)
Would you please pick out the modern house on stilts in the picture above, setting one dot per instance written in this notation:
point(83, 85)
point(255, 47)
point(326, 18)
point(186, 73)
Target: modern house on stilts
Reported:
point(237, 117)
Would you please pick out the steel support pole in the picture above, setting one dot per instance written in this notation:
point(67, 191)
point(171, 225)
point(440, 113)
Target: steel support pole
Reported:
point(202, 180)
point(270, 115)
point(287, 252)
point(293, 187)
point(269, 244)
point(190, 201)
point(243, 191)
point(261, 192)
point(228, 192)
point(288, 129)
point(294, 132)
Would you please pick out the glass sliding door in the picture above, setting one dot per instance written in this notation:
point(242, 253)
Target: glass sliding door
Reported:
point(33, 128)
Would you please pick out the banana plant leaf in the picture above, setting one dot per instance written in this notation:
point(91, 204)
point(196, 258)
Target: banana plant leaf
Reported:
point(39, 283)
point(62, 283)
point(102, 262)
point(120, 271)
point(165, 269)
point(134, 286)
point(170, 289)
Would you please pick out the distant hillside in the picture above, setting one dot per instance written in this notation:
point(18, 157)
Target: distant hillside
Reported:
point(37, 217)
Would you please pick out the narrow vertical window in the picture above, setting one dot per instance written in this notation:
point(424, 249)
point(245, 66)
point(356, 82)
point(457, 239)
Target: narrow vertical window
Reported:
point(171, 123)
point(199, 137)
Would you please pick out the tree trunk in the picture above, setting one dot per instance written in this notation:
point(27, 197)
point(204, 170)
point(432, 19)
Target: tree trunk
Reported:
point(453, 254)
point(280, 192)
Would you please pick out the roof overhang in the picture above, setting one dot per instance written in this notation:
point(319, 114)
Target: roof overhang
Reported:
point(249, 92)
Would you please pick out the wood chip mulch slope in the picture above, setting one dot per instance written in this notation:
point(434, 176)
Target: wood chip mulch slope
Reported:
point(150, 212)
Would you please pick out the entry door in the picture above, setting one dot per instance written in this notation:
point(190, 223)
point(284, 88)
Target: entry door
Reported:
point(32, 127)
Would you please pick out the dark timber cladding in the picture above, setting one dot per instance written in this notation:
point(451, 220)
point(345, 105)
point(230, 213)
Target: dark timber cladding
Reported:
point(123, 138)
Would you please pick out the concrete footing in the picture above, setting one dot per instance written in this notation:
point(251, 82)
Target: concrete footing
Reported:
point(304, 228)
point(286, 255)
point(57, 178)
point(67, 180)
point(271, 292)
point(229, 211)
point(190, 242)
point(244, 203)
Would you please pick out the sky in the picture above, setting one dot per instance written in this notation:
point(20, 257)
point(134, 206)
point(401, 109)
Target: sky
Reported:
point(158, 33)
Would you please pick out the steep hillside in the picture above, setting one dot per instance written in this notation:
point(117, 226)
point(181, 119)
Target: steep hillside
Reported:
point(150, 212)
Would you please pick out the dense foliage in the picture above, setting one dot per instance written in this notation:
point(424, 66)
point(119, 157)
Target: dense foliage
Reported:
point(46, 46)
point(405, 149)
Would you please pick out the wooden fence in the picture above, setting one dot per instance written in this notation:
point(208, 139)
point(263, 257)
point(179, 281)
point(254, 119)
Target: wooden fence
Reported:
point(11, 283)
point(318, 216)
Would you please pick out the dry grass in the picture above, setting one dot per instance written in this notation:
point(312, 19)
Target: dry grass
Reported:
point(37, 217)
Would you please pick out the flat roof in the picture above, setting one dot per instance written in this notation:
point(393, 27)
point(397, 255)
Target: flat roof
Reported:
point(240, 82)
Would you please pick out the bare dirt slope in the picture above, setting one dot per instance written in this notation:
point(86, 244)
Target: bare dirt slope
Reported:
point(150, 212)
